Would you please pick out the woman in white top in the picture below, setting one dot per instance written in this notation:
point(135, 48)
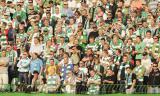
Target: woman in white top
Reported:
point(36, 47)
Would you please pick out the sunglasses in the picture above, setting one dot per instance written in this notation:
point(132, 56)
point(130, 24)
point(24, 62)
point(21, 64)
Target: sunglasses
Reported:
point(155, 66)
point(155, 38)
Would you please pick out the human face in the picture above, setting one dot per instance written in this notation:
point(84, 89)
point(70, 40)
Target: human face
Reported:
point(138, 39)
point(65, 56)
point(128, 70)
point(36, 41)
point(129, 42)
point(81, 64)
point(148, 35)
point(25, 55)
point(91, 40)
point(3, 53)
point(9, 48)
point(49, 43)
point(57, 10)
point(46, 22)
point(109, 72)
point(125, 59)
point(138, 63)
point(52, 62)
point(155, 39)
point(92, 73)
point(76, 68)
point(155, 67)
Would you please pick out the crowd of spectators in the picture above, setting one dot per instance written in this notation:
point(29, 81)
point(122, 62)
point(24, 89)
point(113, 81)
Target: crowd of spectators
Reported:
point(80, 46)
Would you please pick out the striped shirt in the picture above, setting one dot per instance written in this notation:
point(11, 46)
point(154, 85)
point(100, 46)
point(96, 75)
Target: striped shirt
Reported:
point(93, 88)
point(3, 40)
point(52, 81)
point(93, 46)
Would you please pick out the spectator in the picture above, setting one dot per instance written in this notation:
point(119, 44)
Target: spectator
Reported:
point(4, 60)
point(109, 78)
point(139, 70)
point(130, 81)
point(36, 67)
point(97, 35)
point(70, 83)
point(154, 79)
point(23, 68)
point(53, 78)
point(80, 79)
point(93, 83)
point(12, 55)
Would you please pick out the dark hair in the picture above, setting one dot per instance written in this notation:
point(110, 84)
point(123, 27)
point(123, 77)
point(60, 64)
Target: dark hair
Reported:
point(138, 60)
point(148, 31)
point(119, 50)
point(51, 2)
point(139, 37)
point(65, 53)
point(61, 49)
point(37, 38)
point(130, 39)
point(35, 72)
point(103, 39)
point(51, 59)
point(77, 12)
point(125, 56)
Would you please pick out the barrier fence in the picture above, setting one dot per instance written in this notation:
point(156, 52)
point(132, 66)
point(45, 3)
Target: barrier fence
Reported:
point(81, 89)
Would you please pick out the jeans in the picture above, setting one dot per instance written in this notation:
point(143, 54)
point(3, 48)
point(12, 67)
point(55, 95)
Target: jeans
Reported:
point(3, 81)
point(23, 77)
point(11, 73)
point(140, 88)
point(121, 86)
point(153, 90)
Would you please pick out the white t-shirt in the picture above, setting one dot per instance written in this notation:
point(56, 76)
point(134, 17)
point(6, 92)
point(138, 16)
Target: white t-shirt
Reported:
point(36, 48)
point(148, 41)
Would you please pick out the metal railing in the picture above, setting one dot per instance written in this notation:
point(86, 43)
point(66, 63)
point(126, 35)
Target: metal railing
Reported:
point(80, 89)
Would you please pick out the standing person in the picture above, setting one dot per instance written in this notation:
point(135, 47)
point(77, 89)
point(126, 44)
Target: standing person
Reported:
point(130, 81)
point(139, 47)
point(155, 48)
point(66, 66)
point(154, 79)
point(52, 76)
point(93, 83)
point(23, 68)
point(108, 79)
point(12, 55)
point(4, 60)
point(121, 73)
point(139, 70)
point(3, 35)
point(70, 83)
point(146, 63)
point(36, 47)
point(36, 68)
point(80, 80)
point(66, 10)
